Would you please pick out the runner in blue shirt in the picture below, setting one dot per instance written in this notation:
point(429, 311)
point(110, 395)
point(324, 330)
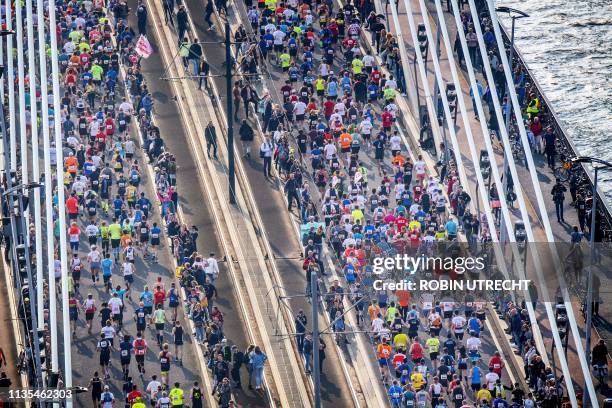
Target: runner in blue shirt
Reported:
point(141, 317)
point(125, 354)
point(107, 271)
point(395, 394)
point(404, 372)
point(144, 204)
point(408, 397)
point(500, 403)
point(147, 301)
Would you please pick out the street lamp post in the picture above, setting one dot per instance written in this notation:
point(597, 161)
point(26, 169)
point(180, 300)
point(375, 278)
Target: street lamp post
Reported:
point(230, 118)
point(514, 15)
point(603, 165)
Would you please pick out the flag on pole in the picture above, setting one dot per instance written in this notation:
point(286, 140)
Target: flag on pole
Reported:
point(143, 47)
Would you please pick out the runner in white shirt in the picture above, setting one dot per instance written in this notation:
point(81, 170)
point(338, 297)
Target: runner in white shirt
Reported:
point(473, 344)
point(395, 143)
point(368, 61)
point(94, 258)
point(458, 324)
point(324, 70)
point(335, 117)
point(447, 309)
point(279, 37)
point(377, 325)
point(426, 302)
point(153, 388)
point(212, 267)
point(340, 107)
point(330, 150)
point(419, 168)
point(126, 107)
point(365, 128)
point(128, 275)
point(109, 331)
point(69, 47)
point(491, 377)
point(299, 108)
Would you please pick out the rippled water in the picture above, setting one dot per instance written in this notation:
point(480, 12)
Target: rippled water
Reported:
point(567, 44)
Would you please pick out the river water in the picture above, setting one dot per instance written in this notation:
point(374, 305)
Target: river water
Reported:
point(567, 44)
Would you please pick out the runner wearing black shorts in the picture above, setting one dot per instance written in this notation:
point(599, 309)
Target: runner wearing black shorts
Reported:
point(105, 347)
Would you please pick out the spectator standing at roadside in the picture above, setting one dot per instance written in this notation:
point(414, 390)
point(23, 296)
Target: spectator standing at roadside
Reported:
point(169, 11)
point(549, 147)
point(195, 55)
point(181, 20)
point(258, 360)
point(210, 134)
point(246, 136)
point(265, 151)
point(558, 195)
point(209, 12)
point(141, 14)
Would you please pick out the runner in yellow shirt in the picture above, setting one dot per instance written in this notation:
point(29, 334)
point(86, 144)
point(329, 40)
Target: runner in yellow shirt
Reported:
point(176, 395)
point(400, 341)
point(433, 346)
point(357, 66)
point(417, 380)
point(285, 61)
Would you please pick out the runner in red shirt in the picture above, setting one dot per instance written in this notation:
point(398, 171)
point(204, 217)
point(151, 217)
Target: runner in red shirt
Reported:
point(497, 364)
point(387, 117)
point(159, 296)
point(328, 108)
point(134, 396)
point(401, 222)
point(72, 204)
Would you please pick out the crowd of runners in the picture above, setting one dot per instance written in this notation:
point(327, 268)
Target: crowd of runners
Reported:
point(116, 234)
point(331, 130)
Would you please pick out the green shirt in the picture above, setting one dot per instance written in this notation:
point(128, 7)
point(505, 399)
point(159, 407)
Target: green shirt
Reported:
point(96, 72)
point(115, 231)
point(285, 60)
point(176, 395)
point(160, 317)
point(84, 47)
point(75, 36)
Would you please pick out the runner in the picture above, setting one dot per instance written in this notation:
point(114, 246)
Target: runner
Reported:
point(165, 358)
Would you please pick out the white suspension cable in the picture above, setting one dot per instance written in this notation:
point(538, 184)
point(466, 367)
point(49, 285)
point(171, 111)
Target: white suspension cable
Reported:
point(493, 160)
point(542, 207)
point(42, 56)
point(402, 47)
point(449, 119)
point(433, 119)
point(23, 140)
point(61, 199)
point(523, 209)
point(40, 300)
point(438, 74)
point(10, 77)
point(410, 91)
point(2, 81)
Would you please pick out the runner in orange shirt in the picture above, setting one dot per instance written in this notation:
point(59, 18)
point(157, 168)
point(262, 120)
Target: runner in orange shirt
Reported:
point(403, 300)
point(345, 143)
point(71, 164)
point(398, 160)
point(383, 352)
